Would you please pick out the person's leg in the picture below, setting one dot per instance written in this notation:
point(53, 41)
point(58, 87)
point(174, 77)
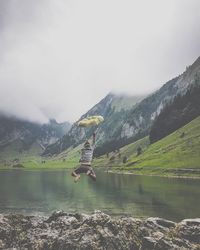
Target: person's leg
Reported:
point(76, 174)
point(92, 174)
point(77, 178)
point(73, 174)
point(88, 172)
point(80, 170)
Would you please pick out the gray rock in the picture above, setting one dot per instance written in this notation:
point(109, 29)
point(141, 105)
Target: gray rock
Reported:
point(149, 243)
point(189, 229)
point(63, 230)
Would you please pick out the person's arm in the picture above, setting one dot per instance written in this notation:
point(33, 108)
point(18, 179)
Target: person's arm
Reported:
point(93, 139)
point(80, 152)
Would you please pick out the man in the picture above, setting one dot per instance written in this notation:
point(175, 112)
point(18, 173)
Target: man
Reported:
point(86, 159)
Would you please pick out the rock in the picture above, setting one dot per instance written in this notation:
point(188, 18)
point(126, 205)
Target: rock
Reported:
point(189, 229)
point(64, 230)
point(55, 215)
point(160, 223)
point(191, 222)
point(149, 243)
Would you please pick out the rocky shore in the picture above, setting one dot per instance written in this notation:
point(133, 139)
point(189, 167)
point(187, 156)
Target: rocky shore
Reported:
point(96, 231)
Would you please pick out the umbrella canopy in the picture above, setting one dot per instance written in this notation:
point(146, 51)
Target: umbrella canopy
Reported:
point(91, 121)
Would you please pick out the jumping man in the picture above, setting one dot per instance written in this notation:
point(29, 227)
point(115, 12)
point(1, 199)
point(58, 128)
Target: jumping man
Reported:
point(86, 159)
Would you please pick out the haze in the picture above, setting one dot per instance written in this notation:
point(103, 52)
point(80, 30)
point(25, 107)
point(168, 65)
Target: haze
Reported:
point(60, 57)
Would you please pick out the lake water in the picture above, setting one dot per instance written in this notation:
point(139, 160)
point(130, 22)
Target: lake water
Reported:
point(43, 191)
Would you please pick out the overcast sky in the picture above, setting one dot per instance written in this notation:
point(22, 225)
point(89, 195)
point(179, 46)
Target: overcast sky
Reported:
point(60, 57)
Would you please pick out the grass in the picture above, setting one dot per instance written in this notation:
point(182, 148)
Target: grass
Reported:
point(174, 155)
point(37, 164)
point(67, 159)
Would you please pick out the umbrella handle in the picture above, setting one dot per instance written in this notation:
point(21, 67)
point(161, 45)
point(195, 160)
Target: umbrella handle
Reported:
point(94, 137)
point(96, 130)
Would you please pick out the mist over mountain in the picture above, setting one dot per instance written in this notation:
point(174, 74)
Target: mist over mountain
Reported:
point(123, 126)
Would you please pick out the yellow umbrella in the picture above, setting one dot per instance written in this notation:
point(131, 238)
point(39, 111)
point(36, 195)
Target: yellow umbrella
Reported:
point(91, 121)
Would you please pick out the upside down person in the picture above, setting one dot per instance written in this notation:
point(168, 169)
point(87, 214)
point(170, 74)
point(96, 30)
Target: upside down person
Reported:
point(86, 159)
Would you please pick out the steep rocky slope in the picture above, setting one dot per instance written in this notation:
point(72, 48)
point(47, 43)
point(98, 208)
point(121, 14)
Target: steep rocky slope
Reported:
point(114, 108)
point(142, 117)
point(181, 111)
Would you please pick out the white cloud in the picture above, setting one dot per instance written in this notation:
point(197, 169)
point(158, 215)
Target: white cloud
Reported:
point(58, 57)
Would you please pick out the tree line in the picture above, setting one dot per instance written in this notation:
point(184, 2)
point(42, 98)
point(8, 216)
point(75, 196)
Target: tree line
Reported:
point(182, 110)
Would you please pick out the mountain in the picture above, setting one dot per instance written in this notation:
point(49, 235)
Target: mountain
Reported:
point(178, 113)
point(123, 126)
point(139, 120)
point(20, 136)
point(113, 108)
point(142, 117)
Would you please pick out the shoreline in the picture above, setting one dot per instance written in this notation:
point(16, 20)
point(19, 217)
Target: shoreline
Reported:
point(99, 168)
point(154, 175)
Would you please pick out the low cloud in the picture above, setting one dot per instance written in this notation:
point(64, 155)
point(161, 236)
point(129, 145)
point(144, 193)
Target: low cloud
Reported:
point(59, 58)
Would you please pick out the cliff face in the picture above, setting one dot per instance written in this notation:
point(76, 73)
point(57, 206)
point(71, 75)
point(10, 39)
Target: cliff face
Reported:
point(181, 111)
point(97, 231)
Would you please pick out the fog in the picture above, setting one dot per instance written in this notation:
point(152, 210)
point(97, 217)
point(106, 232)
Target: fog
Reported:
point(58, 58)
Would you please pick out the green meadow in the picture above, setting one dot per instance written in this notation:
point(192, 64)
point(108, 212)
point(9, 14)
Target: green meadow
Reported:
point(175, 155)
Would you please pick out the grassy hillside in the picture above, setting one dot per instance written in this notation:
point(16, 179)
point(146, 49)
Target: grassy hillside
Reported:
point(12, 151)
point(176, 154)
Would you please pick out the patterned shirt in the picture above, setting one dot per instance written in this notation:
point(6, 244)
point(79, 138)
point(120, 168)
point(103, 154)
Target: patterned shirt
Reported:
point(87, 155)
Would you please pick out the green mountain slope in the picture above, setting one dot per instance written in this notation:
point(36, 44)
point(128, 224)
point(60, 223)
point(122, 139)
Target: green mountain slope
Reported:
point(176, 154)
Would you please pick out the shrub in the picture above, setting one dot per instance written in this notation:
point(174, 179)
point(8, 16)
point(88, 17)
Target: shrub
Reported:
point(18, 166)
point(125, 159)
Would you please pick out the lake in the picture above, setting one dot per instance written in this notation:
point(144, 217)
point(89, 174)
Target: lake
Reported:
point(44, 191)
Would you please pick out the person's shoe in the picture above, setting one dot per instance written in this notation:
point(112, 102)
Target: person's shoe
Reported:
point(77, 178)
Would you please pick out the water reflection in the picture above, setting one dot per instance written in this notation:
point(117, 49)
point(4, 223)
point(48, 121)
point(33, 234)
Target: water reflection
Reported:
point(140, 196)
